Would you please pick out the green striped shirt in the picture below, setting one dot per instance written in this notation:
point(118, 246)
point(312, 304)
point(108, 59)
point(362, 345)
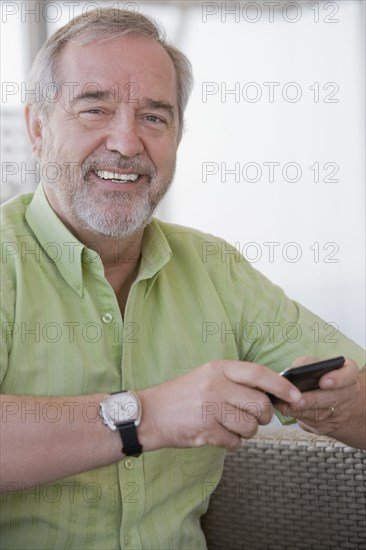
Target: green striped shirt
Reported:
point(195, 299)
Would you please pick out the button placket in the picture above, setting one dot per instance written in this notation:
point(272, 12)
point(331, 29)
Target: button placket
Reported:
point(132, 490)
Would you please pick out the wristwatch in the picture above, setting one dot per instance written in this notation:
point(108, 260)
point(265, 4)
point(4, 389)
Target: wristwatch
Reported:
point(122, 411)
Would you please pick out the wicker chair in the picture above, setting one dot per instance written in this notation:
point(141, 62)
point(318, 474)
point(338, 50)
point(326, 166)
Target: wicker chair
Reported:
point(287, 489)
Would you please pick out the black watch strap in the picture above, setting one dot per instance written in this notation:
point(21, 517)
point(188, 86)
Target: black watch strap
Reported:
point(130, 443)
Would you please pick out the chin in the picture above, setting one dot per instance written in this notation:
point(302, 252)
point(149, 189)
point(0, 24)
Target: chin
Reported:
point(117, 228)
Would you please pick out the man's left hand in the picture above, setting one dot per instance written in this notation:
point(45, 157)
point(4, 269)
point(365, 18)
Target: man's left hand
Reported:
point(337, 409)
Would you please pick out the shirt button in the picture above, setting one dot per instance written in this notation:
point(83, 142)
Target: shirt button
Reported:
point(107, 318)
point(127, 540)
point(129, 463)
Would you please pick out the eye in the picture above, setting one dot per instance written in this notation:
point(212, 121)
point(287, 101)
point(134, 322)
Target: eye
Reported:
point(95, 116)
point(93, 113)
point(154, 119)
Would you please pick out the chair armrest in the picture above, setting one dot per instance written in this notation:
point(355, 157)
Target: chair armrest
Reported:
point(289, 489)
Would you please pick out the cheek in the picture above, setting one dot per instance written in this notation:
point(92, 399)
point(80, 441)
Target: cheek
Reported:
point(74, 149)
point(163, 155)
point(73, 142)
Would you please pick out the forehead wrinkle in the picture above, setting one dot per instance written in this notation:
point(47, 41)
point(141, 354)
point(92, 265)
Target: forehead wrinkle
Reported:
point(158, 104)
point(82, 58)
point(97, 95)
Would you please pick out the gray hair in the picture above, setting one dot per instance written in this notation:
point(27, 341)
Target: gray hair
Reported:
point(98, 26)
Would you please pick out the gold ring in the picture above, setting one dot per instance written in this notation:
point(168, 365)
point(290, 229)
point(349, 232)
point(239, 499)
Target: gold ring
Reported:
point(331, 412)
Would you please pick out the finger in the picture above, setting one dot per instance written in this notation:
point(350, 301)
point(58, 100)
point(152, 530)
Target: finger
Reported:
point(324, 421)
point(315, 415)
point(224, 438)
point(239, 405)
point(343, 377)
point(262, 378)
point(244, 424)
point(316, 398)
point(256, 408)
point(330, 411)
point(306, 428)
point(291, 409)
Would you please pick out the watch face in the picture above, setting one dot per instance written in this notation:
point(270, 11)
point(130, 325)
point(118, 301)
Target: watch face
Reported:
point(123, 407)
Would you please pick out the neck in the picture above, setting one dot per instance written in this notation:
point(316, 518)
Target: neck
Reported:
point(121, 260)
point(121, 254)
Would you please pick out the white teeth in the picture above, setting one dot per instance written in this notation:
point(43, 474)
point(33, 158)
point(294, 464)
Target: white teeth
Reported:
point(114, 176)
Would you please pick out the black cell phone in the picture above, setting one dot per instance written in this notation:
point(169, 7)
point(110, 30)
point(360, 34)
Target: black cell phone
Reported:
point(307, 377)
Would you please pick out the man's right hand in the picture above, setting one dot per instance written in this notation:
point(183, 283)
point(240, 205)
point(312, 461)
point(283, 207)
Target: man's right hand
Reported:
point(217, 403)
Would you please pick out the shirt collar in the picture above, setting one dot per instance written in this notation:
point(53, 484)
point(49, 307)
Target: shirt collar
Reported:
point(67, 251)
point(56, 240)
point(155, 253)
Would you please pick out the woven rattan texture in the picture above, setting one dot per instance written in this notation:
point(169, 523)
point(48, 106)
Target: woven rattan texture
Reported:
point(286, 489)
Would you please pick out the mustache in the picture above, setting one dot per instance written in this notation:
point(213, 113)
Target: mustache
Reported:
point(112, 163)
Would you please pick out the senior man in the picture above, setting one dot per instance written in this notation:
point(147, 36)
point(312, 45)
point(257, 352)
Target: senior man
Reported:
point(100, 298)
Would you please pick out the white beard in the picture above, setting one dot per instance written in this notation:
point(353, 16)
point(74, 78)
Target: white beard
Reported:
point(107, 212)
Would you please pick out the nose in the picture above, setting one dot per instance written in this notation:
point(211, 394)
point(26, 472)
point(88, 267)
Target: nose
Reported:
point(123, 136)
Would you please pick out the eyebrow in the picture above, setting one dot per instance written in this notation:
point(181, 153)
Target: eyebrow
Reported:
point(157, 104)
point(97, 95)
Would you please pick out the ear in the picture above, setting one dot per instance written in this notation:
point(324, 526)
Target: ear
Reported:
point(34, 127)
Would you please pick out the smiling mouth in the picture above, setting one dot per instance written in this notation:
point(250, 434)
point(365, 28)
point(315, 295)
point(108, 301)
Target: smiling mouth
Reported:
point(115, 177)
